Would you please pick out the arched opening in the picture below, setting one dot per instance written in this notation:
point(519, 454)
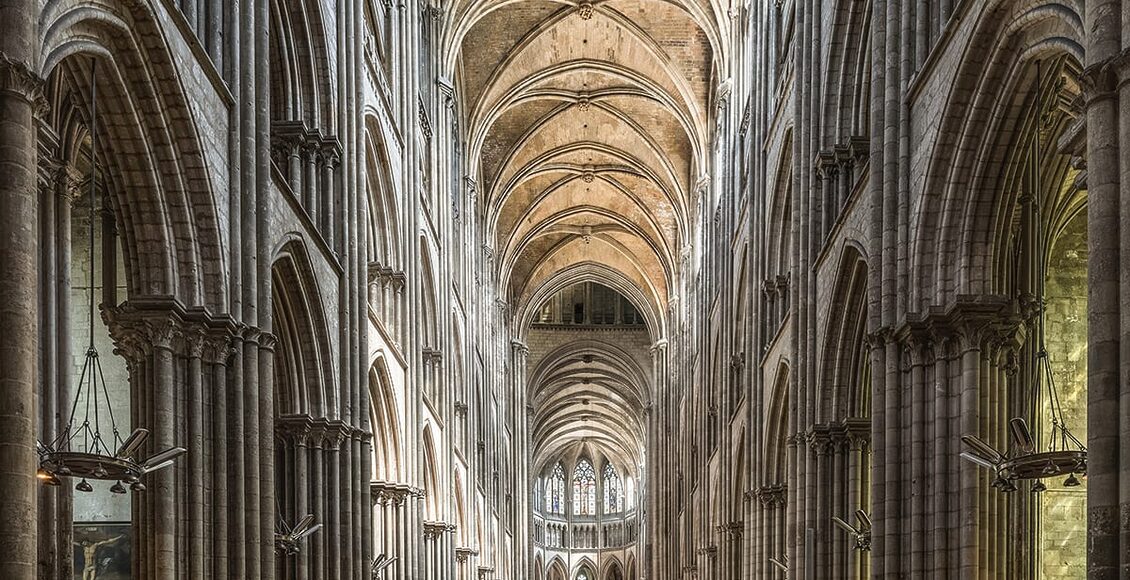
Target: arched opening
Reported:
point(144, 189)
point(306, 436)
point(771, 493)
point(588, 303)
point(613, 571)
point(584, 488)
point(847, 407)
point(304, 145)
point(303, 370)
point(557, 571)
point(431, 486)
point(385, 418)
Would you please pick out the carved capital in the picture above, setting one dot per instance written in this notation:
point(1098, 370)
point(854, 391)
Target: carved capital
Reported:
point(1100, 82)
point(295, 429)
point(268, 341)
point(826, 165)
point(218, 345)
point(857, 431)
point(820, 440)
point(18, 78)
point(879, 338)
point(196, 339)
point(771, 496)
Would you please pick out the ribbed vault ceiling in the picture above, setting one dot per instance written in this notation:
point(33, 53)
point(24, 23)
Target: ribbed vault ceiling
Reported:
point(589, 122)
point(590, 391)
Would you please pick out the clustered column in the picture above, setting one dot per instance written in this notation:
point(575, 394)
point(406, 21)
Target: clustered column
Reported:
point(182, 391)
point(309, 162)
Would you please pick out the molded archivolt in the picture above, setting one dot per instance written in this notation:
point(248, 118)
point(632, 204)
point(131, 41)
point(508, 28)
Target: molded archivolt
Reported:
point(431, 481)
point(304, 368)
point(844, 352)
point(385, 233)
point(300, 74)
point(777, 425)
point(152, 153)
point(612, 570)
point(960, 240)
point(847, 93)
point(385, 418)
point(557, 570)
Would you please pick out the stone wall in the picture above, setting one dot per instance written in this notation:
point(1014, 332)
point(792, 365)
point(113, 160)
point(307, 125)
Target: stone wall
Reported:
point(1064, 510)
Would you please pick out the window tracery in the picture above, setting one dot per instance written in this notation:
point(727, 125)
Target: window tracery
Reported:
point(584, 489)
point(613, 491)
point(555, 491)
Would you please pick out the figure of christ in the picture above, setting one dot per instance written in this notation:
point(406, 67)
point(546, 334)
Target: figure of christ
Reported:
point(90, 556)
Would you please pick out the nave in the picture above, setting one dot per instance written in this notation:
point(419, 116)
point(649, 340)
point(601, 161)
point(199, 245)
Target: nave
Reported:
point(564, 289)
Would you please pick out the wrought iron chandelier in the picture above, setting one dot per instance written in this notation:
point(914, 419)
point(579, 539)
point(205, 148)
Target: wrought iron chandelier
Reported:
point(82, 450)
point(1065, 454)
point(781, 564)
point(862, 534)
point(380, 564)
point(287, 538)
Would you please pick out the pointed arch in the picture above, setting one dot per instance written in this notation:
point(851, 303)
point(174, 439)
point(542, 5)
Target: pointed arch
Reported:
point(585, 569)
point(613, 570)
point(462, 536)
point(961, 237)
point(153, 155)
point(385, 232)
point(429, 297)
point(538, 568)
point(385, 419)
point(299, 65)
point(431, 483)
point(554, 486)
point(557, 569)
point(845, 354)
point(777, 425)
point(584, 488)
point(303, 362)
point(613, 500)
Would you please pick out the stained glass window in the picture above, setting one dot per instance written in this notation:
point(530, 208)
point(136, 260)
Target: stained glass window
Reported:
point(584, 489)
point(555, 491)
point(613, 492)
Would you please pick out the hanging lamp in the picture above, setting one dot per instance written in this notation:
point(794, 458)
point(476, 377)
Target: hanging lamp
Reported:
point(1065, 453)
point(862, 534)
point(781, 564)
point(287, 538)
point(380, 564)
point(83, 450)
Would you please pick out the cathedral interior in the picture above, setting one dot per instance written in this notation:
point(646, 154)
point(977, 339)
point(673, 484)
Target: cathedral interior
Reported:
point(564, 289)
